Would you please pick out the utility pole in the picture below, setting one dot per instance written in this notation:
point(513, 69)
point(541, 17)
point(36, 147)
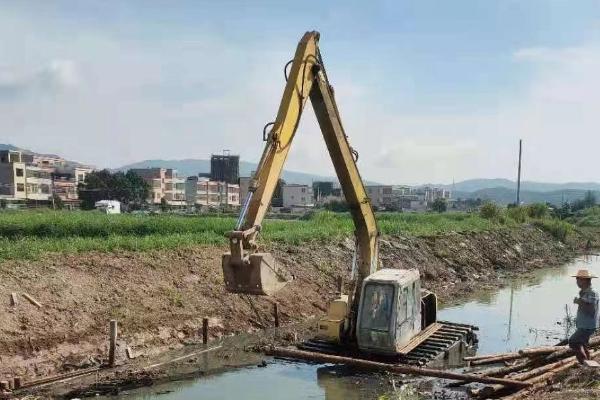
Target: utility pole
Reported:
point(519, 174)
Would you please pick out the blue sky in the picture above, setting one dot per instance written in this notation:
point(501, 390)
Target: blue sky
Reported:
point(429, 91)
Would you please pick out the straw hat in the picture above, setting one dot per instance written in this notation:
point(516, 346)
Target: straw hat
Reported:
point(584, 274)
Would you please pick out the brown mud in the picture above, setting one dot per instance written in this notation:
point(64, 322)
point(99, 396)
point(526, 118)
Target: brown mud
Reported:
point(160, 297)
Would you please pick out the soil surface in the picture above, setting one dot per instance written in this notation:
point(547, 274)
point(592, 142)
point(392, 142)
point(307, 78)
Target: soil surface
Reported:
point(160, 297)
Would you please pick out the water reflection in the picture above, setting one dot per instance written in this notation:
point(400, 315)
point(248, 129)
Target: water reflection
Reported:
point(532, 311)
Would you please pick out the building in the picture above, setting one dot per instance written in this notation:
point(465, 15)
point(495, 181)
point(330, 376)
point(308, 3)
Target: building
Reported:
point(381, 195)
point(21, 180)
point(295, 195)
point(322, 189)
point(203, 192)
point(225, 168)
point(164, 184)
point(244, 183)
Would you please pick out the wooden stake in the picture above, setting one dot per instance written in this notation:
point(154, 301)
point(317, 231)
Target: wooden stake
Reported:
point(401, 369)
point(112, 349)
point(17, 380)
point(13, 299)
point(205, 330)
point(340, 284)
point(276, 314)
point(32, 300)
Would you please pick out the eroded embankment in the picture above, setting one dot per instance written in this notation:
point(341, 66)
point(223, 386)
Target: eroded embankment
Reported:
point(160, 297)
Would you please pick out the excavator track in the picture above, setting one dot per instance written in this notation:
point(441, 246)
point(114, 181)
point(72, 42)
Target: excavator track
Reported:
point(446, 346)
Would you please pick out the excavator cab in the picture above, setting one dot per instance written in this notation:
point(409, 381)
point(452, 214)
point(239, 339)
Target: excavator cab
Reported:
point(389, 314)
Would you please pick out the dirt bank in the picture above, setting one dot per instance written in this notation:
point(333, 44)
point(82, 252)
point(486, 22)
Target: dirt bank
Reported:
point(160, 297)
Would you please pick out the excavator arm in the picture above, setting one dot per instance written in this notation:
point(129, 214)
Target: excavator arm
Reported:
point(245, 269)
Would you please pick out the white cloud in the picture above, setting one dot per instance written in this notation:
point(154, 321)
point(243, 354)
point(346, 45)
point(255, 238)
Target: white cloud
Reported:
point(54, 77)
point(110, 100)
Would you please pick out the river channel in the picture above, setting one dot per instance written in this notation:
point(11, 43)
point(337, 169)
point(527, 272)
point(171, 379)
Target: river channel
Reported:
point(531, 311)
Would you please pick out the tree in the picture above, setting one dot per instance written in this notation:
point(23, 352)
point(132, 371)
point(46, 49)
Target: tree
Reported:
point(164, 207)
point(489, 210)
point(336, 206)
point(130, 189)
point(439, 205)
point(57, 202)
point(589, 200)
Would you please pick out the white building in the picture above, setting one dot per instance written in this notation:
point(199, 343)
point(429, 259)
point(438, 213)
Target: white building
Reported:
point(203, 192)
point(295, 195)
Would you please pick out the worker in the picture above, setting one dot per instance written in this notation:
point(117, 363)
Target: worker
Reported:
point(586, 321)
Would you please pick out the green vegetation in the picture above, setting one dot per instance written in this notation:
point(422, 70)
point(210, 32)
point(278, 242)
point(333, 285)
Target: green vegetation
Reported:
point(129, 188)
point(439, 205)
point(589, 217)
point(25, 235)
point(557, 228)
point(490, 211)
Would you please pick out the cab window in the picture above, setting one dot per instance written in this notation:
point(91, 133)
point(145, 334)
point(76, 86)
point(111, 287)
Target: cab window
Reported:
point(377, 307)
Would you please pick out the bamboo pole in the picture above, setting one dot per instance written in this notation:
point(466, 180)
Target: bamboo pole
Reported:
point(401, 369)
point(497, 359)
point(524, 376)
point(32, 300)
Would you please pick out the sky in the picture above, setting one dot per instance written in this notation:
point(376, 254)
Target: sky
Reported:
point(429, 91)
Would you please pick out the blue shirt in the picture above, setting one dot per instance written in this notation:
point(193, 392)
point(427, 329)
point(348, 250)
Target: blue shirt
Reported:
point(587, 317)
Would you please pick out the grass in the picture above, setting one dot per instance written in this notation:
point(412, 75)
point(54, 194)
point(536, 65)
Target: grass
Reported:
point(27, 235)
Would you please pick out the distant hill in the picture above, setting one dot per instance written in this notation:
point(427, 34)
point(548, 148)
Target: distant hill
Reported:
point(502, 195)
point(473, 185)
point(9, 147)
point(190, 167)
point(15, 148)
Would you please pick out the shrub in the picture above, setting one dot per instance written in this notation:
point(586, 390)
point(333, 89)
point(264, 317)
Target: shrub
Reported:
point(489, 211)
point(537, 210)
point(518, 214)
point(559, 229)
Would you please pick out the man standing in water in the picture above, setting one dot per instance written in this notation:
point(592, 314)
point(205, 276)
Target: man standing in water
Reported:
point(586, 321)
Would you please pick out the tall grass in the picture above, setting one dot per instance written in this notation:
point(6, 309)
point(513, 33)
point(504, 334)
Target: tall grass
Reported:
point(30, 234)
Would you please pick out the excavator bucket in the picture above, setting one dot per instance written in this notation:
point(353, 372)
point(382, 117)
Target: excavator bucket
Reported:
point(258, 275)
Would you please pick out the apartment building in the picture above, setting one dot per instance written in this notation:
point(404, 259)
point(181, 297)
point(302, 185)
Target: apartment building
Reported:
point(66, 180)
point(381, 195)
point(204, 192)
point(295, 195)
point(21, 180)
point(164, 184)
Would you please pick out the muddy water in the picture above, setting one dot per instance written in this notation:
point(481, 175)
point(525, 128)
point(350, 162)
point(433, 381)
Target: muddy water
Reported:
point(531, 311)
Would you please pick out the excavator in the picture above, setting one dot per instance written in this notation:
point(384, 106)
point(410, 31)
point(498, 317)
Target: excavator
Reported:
point(385, 312)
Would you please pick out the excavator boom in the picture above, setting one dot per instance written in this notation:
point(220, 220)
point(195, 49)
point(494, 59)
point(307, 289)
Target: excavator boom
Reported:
point(245, 269)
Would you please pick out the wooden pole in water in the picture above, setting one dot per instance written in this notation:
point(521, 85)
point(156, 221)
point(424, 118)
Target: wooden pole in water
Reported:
point(401, 369)
point(112, 349)
point(205, 330)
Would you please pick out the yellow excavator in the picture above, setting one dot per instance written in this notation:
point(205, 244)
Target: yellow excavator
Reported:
point(386, 312)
